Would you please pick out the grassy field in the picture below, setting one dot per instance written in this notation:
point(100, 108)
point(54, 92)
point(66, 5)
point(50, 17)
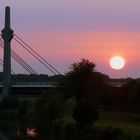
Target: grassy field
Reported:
point(128, 122)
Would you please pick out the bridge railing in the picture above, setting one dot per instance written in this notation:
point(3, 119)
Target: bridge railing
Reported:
point(29, 83)
point(33, 83)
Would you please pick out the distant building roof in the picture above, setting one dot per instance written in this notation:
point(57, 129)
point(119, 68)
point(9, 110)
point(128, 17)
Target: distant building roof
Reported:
point(117, 82)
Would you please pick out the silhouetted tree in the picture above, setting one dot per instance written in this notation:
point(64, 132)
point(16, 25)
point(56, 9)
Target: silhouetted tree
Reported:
point(82, 81)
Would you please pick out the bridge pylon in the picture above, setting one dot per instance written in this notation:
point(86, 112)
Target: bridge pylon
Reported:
point(7, 35)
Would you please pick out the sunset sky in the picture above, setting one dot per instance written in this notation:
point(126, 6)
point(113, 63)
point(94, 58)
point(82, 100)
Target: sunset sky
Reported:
point(64, 31)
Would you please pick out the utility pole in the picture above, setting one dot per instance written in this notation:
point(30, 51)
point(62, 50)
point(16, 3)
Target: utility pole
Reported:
point(7, 35)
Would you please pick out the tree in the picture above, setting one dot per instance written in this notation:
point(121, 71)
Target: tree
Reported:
point(82, 80)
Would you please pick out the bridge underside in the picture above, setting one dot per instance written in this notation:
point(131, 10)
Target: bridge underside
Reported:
point(28, 90)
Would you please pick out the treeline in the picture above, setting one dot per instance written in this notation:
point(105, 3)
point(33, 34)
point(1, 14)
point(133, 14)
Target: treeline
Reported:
point(83, 81)
point(125, 98)
point(33, 78)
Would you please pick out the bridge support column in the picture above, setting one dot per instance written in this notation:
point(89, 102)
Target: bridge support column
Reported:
point(7, 35)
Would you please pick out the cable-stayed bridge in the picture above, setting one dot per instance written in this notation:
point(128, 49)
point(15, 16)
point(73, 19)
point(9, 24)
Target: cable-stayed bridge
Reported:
point(22, 62)
point(7, 86)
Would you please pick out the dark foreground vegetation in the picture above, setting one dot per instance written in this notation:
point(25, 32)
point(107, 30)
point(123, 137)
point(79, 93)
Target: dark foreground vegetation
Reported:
point(85, 107)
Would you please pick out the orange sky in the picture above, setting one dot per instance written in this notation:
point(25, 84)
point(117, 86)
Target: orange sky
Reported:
point(61, 48)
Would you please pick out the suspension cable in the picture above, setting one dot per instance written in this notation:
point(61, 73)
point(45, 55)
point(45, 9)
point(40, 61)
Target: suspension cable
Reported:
point(34, 56)
point(1, 62)
point(17, 60)
point(35, 53)
point(32, 71)
point(21, 61)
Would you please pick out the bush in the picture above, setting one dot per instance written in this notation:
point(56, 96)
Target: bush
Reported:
point(8, 103)
point(85, 114)
point(48, 109)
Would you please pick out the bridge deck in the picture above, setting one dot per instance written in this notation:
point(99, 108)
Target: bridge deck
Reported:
point(32, 84)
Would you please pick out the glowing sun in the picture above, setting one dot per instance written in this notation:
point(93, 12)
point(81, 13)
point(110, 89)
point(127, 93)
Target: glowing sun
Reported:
point(117, 62)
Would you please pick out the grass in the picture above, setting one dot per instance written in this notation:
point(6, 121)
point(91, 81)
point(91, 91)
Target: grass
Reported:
point(128, 122)
point(130, 128)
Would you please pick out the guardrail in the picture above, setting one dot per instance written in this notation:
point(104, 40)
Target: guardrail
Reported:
point(32, 84)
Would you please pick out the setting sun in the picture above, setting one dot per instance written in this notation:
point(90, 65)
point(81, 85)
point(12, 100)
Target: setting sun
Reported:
point(117, 62)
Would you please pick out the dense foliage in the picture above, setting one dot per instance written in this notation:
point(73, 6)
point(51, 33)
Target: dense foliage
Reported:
point(85, 114)
point(82, 81)
point(49, 109)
